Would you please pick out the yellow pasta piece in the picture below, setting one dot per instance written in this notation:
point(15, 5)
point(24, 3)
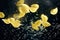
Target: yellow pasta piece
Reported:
point(44, 21)
point(24, 8)
point(54, 11)
point(20, 2)
point(2, 15)
point(6, 21)
point(15, 23)
point(36, 25)
point(46, 24)
point(44, 18)
point(18, 16)
point(34, 7)
point(22, 15)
